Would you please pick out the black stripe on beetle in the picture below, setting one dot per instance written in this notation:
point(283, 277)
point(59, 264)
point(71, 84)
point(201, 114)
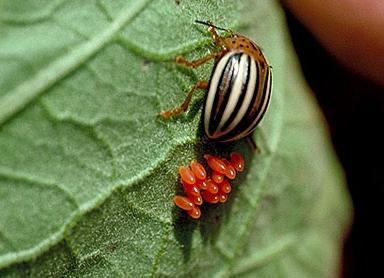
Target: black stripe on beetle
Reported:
point(224, 83)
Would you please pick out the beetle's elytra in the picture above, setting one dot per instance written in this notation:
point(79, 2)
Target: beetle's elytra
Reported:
point(239, 89)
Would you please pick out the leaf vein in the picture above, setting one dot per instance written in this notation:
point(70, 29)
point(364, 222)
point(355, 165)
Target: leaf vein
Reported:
point(13, 175)
point(161, 251)
point(17, 99)
point(264, 256)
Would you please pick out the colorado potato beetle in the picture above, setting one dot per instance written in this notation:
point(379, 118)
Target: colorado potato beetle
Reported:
point(239, 89)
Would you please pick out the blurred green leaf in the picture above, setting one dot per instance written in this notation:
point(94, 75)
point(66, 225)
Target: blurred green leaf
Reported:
point(88, 171)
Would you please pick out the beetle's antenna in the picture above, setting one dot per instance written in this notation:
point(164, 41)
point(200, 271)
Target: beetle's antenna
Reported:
point(208, 23)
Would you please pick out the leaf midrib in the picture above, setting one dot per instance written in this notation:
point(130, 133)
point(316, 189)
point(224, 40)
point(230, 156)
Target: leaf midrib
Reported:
point(18, 98)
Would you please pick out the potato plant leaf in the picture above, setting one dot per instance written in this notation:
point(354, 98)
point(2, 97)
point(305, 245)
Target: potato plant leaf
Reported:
point(88, 170)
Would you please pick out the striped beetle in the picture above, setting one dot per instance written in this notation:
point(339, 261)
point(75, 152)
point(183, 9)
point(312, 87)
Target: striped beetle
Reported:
point(239, 89)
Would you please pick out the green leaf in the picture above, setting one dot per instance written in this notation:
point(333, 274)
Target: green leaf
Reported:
point(88, 170)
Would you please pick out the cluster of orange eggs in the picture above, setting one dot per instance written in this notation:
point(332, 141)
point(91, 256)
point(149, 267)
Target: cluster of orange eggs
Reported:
point(199, 187)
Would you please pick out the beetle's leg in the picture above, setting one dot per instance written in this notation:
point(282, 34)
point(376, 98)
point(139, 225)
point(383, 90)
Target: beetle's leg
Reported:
point(196, 63)
point(253, 144)
point(215, 37)
point(184, 106)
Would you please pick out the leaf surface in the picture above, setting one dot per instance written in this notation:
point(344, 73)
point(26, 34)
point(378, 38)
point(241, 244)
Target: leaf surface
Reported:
point(88, 171)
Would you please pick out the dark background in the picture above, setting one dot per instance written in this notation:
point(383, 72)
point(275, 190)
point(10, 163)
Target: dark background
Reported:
point(354, 109)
